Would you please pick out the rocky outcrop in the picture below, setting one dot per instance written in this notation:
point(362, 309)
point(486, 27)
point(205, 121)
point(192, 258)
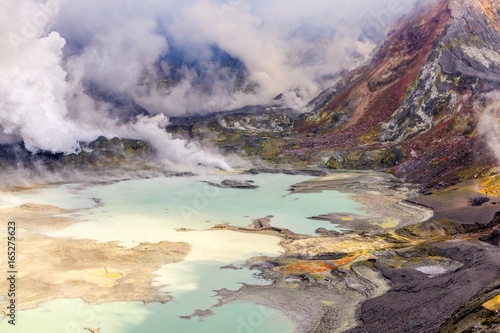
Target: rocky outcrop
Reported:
point(427, 229)
point(100, 154)
point(493, 238)
point(263, 225)
point(229, 183)
point(92, 330)
point(377, 159)
point(252, 130)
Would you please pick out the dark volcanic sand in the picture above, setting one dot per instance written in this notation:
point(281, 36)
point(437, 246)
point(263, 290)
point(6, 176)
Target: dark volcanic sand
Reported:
point(419, 303)
point(455, 206)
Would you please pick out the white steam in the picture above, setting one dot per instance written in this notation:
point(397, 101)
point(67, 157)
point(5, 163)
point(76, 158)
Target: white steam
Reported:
point(176, 153)
point(35, 92)
point(32, 82)
point(489, 124)
point(52, 50)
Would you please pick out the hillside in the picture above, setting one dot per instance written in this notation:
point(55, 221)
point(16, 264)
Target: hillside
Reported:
point(415, 109)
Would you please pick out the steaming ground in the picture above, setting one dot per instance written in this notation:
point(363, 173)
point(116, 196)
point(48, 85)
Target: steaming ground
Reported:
point(169, 58)
point(489, 124)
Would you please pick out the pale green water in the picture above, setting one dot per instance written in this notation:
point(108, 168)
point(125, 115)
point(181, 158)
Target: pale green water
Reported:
point(151, 210)
point(190, 203)
point(72, 315)
point(64, 196)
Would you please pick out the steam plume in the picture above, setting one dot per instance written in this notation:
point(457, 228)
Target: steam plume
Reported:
point(169, 58)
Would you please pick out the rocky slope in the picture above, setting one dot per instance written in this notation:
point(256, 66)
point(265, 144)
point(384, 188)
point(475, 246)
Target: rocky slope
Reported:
point(253, 130)
point(420, 99)
point(418, 302)
point(414, 109)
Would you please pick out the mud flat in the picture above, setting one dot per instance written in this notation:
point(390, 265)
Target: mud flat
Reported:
point(466, 207)
point(425, 272)
point(383, 195)
point(319, 282)
point(308, 299)
point(53, 268)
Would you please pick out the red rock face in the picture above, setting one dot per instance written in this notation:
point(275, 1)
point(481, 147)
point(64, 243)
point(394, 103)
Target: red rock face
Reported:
point(397, 63)
point(422, 93)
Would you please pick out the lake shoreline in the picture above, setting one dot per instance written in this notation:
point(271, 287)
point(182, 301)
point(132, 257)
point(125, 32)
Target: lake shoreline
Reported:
point(439, 242)
point(319, 282)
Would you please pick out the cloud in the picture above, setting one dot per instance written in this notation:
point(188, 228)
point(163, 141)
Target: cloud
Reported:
point(51, 112)
point(64, 58)
point(285, 44)
point(282, 45)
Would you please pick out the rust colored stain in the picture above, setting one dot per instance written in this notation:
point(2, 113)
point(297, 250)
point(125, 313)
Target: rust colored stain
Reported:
point(313, 267)
point(344, 261)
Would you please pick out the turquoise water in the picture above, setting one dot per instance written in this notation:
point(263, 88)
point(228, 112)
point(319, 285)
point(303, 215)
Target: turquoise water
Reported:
point(152, 210)
point(193, 204)
point(73, 315)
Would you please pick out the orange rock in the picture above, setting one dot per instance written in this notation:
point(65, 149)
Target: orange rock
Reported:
point(344, 261)
point(493, 304)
